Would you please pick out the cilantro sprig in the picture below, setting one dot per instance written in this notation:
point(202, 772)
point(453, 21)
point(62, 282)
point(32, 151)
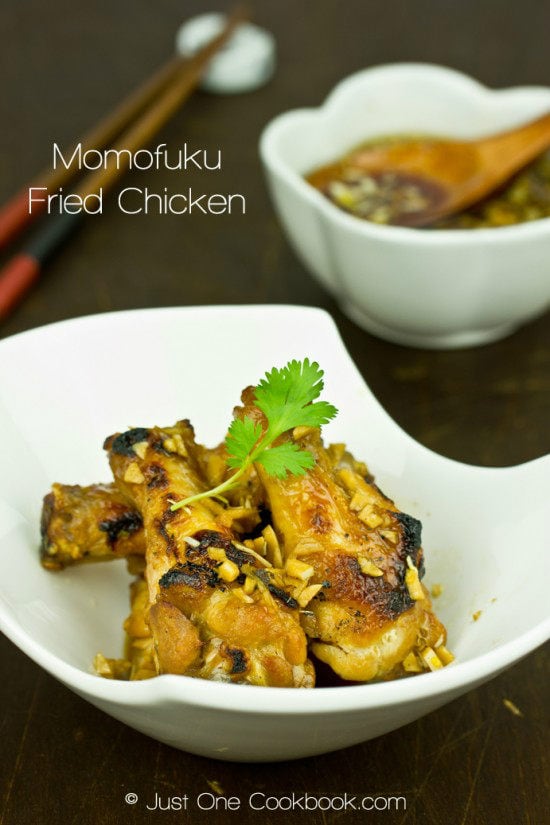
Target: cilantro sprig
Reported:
point(287, 398)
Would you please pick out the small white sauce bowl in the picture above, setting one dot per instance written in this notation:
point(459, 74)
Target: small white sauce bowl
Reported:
point(418, 287)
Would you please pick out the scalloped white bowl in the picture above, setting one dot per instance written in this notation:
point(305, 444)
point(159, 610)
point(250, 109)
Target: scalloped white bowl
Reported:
point(64, 387)
point(419, 287)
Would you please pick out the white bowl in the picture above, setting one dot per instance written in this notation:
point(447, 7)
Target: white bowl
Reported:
point(426, 288)
point(64, 387)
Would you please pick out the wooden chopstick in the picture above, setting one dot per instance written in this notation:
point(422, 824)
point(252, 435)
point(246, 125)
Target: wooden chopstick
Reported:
point(23, 270)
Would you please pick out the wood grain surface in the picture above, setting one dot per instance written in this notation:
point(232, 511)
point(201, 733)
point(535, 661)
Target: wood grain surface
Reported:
point(472, 762)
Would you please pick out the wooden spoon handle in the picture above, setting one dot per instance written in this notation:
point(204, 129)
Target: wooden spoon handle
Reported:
point(511, 151)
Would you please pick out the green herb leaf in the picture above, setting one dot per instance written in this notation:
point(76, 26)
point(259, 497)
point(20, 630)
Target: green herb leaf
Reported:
point(241, 440)
point(284, 459)
point(287, 398)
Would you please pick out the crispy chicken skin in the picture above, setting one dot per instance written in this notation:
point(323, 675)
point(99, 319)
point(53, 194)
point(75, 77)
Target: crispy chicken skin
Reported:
point(202, 621)
point(88, 524)
point(99, 523)
point(363, 622)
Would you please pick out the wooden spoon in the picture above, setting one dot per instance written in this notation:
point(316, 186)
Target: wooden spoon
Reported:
point(450, 175)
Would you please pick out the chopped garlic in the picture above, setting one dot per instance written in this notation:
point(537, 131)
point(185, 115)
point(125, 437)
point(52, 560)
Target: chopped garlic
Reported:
point(359, 501)
point(228, 571)
point(273, 549)
point(217, 553)
point(411, 664)
point(244, 597)
point(430, 658)
point(175, 444)
point(412, 582)
point(512, 707)
point(349, 479)
point(141, 448)
point(370, 517)
point(249, 585)
point(133, 474)
point(445, 655)
point(369, 568)
point(299, 569)
point(308, 594)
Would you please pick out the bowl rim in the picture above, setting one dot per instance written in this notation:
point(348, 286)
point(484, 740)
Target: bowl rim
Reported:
point(454, 679)
point(273, 162)
point(251, 699)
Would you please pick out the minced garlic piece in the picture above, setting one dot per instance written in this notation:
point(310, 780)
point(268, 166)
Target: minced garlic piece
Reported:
point(217, 553)
point(411, 664)
point(259, 545)
point(299, 569)
point(111, 668)
point(140, 448)
point(412, 582)
point(298, 589)
point(476, 615)
point(133, 474)
point(369, 568)
point(308, 593)
point(228, 571)
point(390, 535)
point(370, 517)
point(244, 597)
point(512, 707)
point(273, 549)
point(430, 658)
point(445, 655)
point(359, 501)
point(249, 585)
point(248, 547)
point(349, 479)
point(175, 444)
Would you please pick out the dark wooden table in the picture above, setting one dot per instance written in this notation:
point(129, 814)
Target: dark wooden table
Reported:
point(64, 65)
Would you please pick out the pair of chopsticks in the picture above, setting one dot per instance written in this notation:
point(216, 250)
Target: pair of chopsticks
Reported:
point(135, 121)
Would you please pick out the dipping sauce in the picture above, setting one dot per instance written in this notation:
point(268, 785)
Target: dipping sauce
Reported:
point(387, 197)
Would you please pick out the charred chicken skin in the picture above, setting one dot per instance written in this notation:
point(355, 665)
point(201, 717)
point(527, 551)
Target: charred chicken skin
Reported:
point(88, 524)
point(210, 612)
point(370, 617)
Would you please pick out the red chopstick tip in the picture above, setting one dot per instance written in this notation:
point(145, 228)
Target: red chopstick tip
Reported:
point(16, 279)
point(15, 214)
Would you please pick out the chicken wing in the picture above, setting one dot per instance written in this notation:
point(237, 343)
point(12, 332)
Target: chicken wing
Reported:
point(210, 612)
point(369, 616)
point(88, 524)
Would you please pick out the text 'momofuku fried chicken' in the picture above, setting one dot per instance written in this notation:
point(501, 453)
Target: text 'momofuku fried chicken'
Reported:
point(211, 614)
point(371, 617)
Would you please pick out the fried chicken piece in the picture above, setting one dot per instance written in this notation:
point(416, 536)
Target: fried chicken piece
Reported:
point(368, 616)
point(88, 524)
point(98, 523)
point(211, 614)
